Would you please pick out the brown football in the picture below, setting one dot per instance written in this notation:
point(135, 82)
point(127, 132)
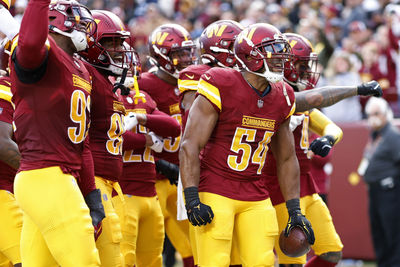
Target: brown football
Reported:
point(296, 244)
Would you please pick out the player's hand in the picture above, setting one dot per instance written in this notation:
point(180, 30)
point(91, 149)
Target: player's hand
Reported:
point(169, 170)
point(93, 201)
point(130, 121)
point(322, 145)
point(371, 88)
point(197, 212)
point(298, 219)
point(158, 142)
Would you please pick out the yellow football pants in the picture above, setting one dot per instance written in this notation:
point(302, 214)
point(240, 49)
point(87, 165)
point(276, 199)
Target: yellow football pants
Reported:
point(4, 261)
point(177, 231)
point(110, 238)
point(10, 225)
point(316, 211)
point(57, 228)
point(142, 226)
point(252, 223)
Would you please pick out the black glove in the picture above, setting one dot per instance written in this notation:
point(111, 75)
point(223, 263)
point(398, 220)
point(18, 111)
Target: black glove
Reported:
point(370, 88)
point(197, 212)
point(93, 201)
point(298, 219)
point(322, 145)
point(169, 170)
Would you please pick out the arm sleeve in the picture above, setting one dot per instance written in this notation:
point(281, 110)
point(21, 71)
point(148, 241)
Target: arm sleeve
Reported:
point(86, 181)
point(133, 141)
point(162, 124)
point(32, 51)
point(322, 125)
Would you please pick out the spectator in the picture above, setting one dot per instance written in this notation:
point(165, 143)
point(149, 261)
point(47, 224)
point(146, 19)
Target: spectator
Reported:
point(380, 167)
point(358, 35)
point(353, 11)
point(370, 69)
point(341, 71)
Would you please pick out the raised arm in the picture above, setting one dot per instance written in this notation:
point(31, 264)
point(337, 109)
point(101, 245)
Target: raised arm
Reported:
point(329, 95)
point(31, 51)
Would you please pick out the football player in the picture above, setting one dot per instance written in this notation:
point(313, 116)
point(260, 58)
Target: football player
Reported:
point(171, 50)
point(141, 215)
point(216, 50)
point(11, 223)
point(235, 119)
point(51, 92)
point(303, 74)
point(107, 56)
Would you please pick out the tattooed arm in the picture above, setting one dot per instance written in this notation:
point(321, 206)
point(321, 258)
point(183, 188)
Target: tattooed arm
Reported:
point(329, 95)
point(323, 97)
point(9, 152)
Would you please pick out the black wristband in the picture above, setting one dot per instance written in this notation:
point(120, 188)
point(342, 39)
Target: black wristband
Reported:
point(191, 193)
point(93, 199)
point(293, 205)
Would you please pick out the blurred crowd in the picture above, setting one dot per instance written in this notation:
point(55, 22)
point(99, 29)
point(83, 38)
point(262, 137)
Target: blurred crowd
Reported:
point(356, 40)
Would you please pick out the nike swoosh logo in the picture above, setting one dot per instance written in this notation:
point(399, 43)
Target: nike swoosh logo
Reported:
point(207, 77)
point(190, 77)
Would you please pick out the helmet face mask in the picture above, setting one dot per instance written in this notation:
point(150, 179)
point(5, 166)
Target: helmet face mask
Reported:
point(171, 48)
point(73, 20)
point(302, 72)
point(182, 58)
point(216, 43)
point(109, 49)
point(261, 49)
point(275, 55)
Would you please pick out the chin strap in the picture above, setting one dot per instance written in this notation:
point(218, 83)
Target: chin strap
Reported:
point(120, 85)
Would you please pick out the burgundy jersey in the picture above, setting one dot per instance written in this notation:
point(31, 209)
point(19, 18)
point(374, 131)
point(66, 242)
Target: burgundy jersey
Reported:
point(139, 174)
point(307, 184)
point(234, 156)
point(52, 115)
point(106, 127)
point(167, 98)
point(7, 173)
point(188, 80)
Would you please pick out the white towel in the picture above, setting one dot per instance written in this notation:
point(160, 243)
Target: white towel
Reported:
point(181, 209)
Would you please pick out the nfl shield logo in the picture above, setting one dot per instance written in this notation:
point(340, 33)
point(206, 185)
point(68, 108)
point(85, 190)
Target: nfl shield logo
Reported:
point(260, 103)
